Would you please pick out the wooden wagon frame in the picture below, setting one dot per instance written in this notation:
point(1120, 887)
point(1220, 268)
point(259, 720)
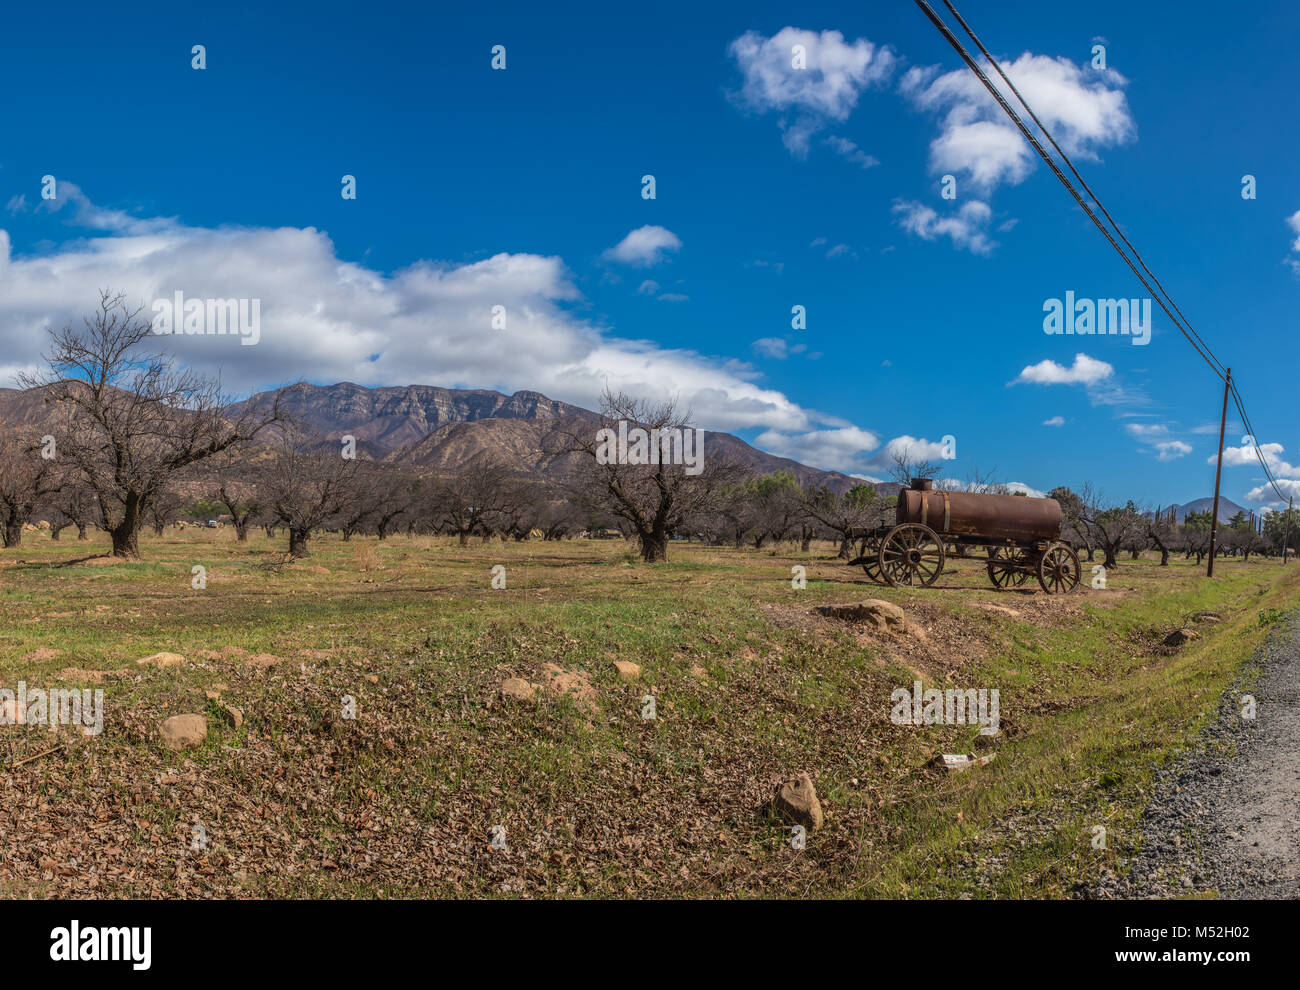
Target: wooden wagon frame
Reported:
point(911, 554)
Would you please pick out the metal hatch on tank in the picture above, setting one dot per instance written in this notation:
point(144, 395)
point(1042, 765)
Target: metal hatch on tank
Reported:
point(1018, 536)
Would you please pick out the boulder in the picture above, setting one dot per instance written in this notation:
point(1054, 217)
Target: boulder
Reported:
point(183, 731)
point(884, 615)
point(796, 802)
point(1180, 636)
point(627, 670)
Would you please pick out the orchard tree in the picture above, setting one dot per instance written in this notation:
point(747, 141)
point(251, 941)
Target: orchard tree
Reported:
point(651, 496)
point(132, 418)
point(27, 479)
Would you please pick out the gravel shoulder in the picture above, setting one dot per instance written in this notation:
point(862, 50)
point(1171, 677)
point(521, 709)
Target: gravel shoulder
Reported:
point(1225, 817)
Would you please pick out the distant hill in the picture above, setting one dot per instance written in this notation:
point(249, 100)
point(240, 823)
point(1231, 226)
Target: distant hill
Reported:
point(1227, 508)
point(430, 429)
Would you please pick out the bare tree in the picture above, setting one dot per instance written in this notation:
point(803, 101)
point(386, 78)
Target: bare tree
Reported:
point(472, 501)
point(906, 467)
point(27, 479)
point(648, 486)
point(306, 484)
point(133, 418)
point(164, 507)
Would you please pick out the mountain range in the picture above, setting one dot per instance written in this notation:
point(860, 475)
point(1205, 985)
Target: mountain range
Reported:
point(431, 429)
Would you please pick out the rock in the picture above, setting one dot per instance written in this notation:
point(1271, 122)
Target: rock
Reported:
point(162, 660)
point(182, 731)
point(962, 761)
point(796, 802)
point(232, 716)
point(627, 670)
point(1210, 617)
point(1180, 636)
point(372, 678)
point(517, 689)
point(885, 615)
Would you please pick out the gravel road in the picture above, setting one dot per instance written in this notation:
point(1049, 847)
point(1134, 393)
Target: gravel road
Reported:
point(1226, 816)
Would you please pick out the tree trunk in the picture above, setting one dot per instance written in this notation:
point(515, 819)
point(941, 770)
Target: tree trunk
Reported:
point(54, 531)
point(126, 542)
point(270, 530)
point(241, 529)
point(463, 535)
point(298, 542)
point(13, 533)
point(654, 548)
point(1164, 557)
point(126, 534)
point(158, 528)
point(81, 531)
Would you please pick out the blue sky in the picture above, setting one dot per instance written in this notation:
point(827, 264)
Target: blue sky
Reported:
point(775, 187)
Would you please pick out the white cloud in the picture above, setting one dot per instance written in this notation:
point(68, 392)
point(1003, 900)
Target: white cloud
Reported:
point(1084, 109)
point(1244, 456)
point(841, 449)
point(644, 246)
point(847, 149)
point(1170, 450)
point(1293, 221)
point(326, 319)
point(772, 347)
point(967, 227)
point(1289, 487)
point(1084, 371)
point(647, 288)
point(1147, 431)
point(1054, 421)
point(826, 90)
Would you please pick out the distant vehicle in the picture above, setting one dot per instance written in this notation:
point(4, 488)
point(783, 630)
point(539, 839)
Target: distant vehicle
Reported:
point(213, 524)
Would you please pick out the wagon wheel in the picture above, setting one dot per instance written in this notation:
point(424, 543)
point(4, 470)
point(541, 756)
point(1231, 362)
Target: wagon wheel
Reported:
point(911, 554)
point(871, 559)
point(1058, 569)
point(1001, 573)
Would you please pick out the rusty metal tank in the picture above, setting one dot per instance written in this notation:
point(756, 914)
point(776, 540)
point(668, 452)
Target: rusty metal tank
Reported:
point(989, 517)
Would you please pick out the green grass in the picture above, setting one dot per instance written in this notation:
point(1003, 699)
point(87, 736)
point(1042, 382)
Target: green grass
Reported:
point(751, 685)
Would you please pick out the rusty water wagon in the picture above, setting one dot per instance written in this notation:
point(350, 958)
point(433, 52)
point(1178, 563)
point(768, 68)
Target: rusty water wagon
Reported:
point(1019, 536)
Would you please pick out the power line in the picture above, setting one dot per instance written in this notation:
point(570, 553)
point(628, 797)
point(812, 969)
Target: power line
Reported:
point(953, 40)
point(1162, 296)
point(1216, 364)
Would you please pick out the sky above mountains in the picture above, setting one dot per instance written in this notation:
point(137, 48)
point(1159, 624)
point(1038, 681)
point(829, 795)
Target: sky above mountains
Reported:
point(799, 276)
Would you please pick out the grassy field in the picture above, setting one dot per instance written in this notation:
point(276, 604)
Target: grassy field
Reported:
point(751, 684)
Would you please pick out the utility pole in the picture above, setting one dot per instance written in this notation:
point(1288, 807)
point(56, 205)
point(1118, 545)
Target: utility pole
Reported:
point(1218, 471)
point(1286, 537)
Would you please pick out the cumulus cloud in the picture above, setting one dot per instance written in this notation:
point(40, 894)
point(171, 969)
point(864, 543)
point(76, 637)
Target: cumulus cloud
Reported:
point(1054, 421)
point(1085, 110)
point(967, 227)
point(1084, 371)
point(644, 247)
point(1171, 450)
point(1293, 221)
point(824, 91)
point(326, 319)
point(844, 449)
